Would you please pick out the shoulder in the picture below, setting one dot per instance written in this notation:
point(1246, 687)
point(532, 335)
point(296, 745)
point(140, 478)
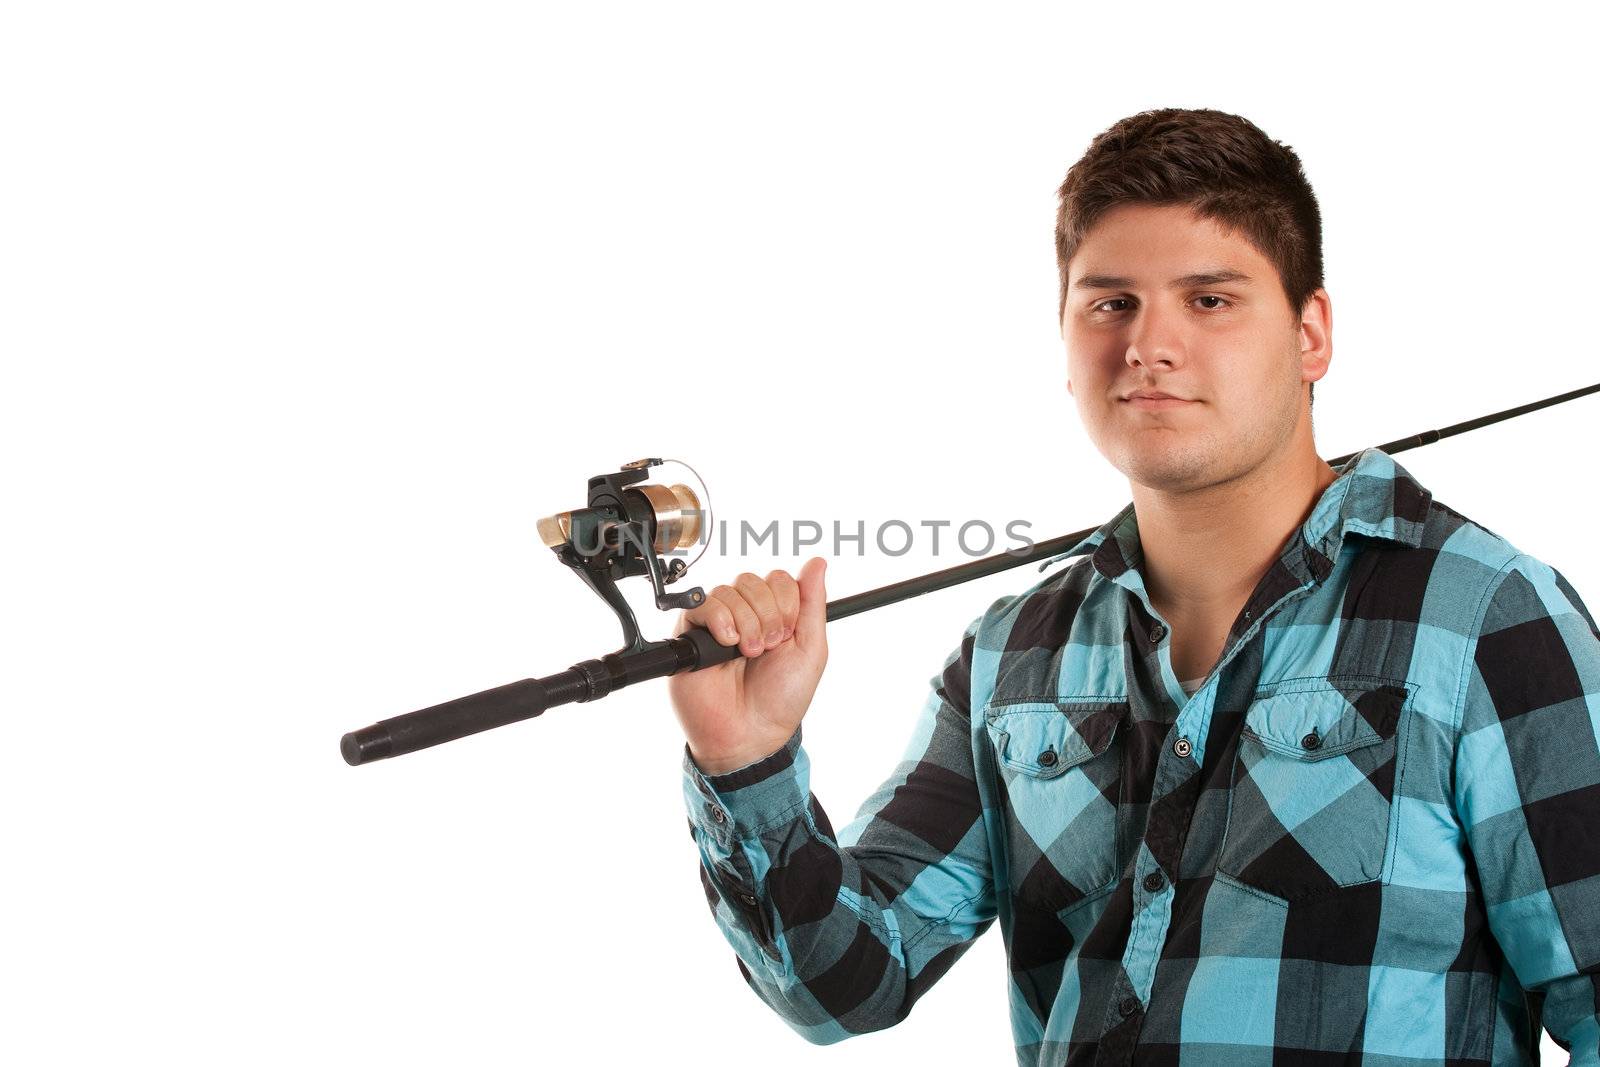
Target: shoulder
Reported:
point(1524, 636)
point(1016, 647)
point(1041, 615)
point(1500, 575)
point(1438, 578)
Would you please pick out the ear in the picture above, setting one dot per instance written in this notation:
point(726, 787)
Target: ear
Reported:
point(1316, 336)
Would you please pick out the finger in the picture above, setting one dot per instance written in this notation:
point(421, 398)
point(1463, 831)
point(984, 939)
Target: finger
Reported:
point(713, 615)
point(813, 618)
point(760, 597)
point(787, 593)
point(751, 638)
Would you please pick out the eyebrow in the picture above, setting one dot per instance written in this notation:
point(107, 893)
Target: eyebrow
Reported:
point(1188, 281)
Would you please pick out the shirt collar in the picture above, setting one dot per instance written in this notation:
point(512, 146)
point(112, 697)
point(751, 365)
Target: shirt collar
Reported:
point(1372, 495)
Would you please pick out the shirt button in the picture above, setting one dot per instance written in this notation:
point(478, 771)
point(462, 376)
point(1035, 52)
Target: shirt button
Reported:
point(1047, 758)
point(716, 813)
point(1182, 747)
point(1157, 632)
point(748, 899)
point(1128, 1006)
point(1311, 741)
point(1154, 881)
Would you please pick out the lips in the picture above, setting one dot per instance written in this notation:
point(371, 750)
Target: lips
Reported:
point(1154, 400)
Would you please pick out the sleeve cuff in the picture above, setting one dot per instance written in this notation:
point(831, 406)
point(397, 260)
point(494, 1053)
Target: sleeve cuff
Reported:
point(746, 802)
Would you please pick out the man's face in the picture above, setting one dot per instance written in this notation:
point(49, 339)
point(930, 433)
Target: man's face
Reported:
point(1160, 299)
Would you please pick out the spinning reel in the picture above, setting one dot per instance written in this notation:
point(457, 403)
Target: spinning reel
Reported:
point(621, 532)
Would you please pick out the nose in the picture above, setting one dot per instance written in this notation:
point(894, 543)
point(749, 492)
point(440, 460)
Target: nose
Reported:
point(1154, 340)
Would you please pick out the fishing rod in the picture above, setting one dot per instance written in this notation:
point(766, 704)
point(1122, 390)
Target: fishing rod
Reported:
point(621, 531)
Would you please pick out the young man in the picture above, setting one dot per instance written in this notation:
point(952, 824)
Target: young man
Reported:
point(1295, 765)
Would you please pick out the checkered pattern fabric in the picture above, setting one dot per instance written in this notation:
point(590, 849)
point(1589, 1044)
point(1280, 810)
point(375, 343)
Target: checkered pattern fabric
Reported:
point(1372, 834)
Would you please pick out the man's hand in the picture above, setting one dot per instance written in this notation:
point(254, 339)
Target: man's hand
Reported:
point(740, 711)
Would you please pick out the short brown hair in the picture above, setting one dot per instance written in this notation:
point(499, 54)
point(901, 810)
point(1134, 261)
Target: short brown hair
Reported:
point(1219, 164)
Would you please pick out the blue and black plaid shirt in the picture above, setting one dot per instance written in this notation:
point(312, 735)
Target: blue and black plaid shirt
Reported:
point(1371, 835)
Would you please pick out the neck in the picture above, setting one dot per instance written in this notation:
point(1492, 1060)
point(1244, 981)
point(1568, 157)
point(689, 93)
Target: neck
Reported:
point(1206, 550)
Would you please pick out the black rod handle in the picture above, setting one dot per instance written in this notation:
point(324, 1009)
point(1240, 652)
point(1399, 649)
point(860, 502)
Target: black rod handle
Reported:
point(694, 649)
point(452, 719)
point(706, 649)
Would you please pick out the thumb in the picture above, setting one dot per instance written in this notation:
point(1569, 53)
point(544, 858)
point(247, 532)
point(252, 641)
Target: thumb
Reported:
point(813, 604)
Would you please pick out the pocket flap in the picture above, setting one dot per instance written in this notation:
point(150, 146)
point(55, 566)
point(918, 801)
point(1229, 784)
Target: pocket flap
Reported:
point(1328, 719)
point(1043, 739)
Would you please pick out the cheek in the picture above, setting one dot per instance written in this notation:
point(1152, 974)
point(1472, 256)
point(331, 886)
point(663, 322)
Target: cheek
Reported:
point(1083, 365)
point(1089, 378)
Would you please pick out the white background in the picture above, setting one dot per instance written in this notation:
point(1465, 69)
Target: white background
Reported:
point(310, 311)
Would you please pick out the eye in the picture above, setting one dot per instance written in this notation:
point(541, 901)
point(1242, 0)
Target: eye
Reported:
point(1212, 307)
point(1114, 300)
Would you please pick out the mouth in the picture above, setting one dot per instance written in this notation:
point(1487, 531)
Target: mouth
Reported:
point(1154, 401)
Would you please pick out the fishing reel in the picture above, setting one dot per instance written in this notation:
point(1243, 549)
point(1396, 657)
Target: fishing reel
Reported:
point(626, 529)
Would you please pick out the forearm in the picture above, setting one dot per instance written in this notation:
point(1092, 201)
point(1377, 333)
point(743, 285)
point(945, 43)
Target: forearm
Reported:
point(834, 936)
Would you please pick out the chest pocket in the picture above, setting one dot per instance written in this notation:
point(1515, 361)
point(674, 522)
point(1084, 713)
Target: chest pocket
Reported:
point(1313, 787)
point(1060, 765)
